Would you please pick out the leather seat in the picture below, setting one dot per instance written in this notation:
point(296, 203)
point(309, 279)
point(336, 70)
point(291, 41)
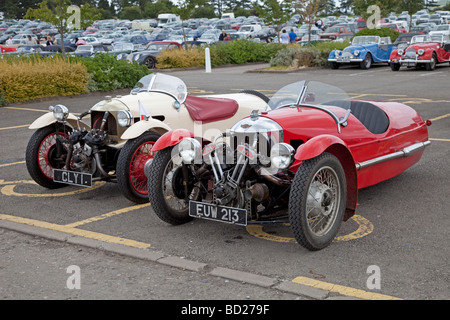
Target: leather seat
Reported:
point(372, 117)
point(207, 109)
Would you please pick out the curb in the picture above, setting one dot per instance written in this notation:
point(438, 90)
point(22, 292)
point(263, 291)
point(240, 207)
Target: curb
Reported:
point(177, 262)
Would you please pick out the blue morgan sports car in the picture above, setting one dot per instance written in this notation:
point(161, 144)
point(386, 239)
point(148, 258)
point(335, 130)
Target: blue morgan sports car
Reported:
point(364, 51)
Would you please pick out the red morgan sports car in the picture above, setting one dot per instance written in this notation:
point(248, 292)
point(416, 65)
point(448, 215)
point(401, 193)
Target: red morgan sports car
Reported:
point(301, 160)
point(424, 50)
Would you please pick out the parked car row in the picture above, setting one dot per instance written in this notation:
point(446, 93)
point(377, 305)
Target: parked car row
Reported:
point(418, 50)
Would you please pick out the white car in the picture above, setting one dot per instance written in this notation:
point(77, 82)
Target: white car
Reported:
point(441, 29)
point(117, 142)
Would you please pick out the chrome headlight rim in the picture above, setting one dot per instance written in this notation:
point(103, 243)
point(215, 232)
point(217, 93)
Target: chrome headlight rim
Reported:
point(400, 52)
point(136, 57)
point(356, 53)
point(60, 112)
point(124, 118)
point(282, 156)
point(420, 52)
point(189, 149)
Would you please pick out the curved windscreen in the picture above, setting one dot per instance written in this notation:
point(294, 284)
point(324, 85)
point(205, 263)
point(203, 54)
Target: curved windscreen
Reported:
point(309, 93)
point(159, 82)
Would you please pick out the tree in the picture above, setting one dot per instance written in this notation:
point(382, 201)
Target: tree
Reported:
point(309, 9)
point(275, 13)
point(63, 16)
point(411, 6)
point(386, 6)
point(184, 9)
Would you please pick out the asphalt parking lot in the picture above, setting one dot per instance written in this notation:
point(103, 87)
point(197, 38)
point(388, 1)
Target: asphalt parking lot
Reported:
point(400, 230)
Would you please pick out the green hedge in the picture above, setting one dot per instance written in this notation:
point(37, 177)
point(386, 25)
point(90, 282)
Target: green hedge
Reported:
point(106, 73)
point(29, 77)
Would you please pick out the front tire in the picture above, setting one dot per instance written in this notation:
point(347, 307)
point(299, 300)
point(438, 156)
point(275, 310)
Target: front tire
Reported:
point(130, 166)
point(317, 201)
point(166, 191)
point(41, 155)
point(367, 62)
point(395, 66)
point(431, 66)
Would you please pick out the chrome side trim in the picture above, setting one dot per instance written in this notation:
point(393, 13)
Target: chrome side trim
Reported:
point(406, 152)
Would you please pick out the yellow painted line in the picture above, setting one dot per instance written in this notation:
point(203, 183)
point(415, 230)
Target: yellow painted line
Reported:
point(435, 139)
point(27, 109)
point(75, 231)
point(15, 127)
point(107, 215)
point(365, 227)
point(11, 164)
point(441, 117)
point(346, 291)
point(8, 190)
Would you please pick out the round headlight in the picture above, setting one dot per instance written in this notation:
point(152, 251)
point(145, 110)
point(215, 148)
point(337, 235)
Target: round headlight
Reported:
point(421, 52)
point(337, 53)
point(400, 52)
point(124, 118)
point(356, 53)
point(136, 57)
point(282, 155)
point(189, 149)
point(60, 112)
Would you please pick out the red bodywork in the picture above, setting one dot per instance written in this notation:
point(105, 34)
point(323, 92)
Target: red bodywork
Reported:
point(7, 49)
point(367, 158)
point(333, 32)
point(440, 50)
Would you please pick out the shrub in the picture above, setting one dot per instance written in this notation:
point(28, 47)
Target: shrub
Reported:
point(34, 77)
point(382, 32)
point(234, 52)
point(296, 56)
point(176, 58)
point(107, 73)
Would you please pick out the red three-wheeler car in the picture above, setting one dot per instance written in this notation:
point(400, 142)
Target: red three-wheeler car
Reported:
point(302, 159)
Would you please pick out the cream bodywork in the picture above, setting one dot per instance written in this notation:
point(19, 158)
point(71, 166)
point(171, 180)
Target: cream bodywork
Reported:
point(161, 106)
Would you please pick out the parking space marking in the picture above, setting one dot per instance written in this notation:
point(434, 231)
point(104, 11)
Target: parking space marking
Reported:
point(107, 215)
point(365, 227)
point(346, 291)
point(28, 109)
point(441, 117)
point(76, 232)
point(8, 189)
point(11, 164)
point(15, 127)
point(436, 139)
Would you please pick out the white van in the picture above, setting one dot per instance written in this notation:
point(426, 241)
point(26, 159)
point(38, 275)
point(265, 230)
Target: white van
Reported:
point(228, 15)
point(164, 18)
point(247, 29)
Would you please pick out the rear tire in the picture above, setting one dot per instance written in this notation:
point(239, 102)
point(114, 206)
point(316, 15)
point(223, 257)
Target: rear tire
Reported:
point(256, 93)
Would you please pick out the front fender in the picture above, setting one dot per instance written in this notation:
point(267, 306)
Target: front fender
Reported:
point(48, 119)
point(171, 138)
point(316, 146)
point(145, 125)
point(334, 145)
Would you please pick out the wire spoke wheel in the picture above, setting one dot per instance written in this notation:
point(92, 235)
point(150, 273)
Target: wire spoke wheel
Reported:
point(317, 201)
